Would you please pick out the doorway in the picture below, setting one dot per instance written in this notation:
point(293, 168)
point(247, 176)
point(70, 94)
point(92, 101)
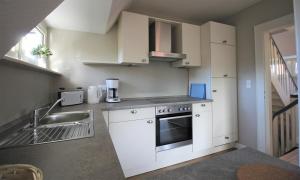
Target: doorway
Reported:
point(270, 65)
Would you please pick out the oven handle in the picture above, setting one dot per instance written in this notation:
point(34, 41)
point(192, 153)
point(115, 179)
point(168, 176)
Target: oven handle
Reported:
point(176, 117)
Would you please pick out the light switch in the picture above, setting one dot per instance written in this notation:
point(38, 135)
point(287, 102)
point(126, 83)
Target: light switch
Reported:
point(248, 84)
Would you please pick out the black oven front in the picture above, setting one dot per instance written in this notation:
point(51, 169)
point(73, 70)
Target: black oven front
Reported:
point(173, 126)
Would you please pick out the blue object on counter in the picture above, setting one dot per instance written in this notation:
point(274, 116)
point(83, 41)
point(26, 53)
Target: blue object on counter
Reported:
point(198, 90)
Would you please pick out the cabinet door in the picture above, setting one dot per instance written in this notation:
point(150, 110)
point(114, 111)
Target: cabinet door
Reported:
point(134, 142)
point(223, 60)
point(191, 44)
point(224, 107)
point(133, 38)
point(222, 33)
point(202, 128)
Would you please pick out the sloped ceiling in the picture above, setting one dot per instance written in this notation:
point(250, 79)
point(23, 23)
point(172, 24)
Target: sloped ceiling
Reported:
point(18, 17)
point(81, 15)
point(191, 11)
point(286, 41)
point(98, 16)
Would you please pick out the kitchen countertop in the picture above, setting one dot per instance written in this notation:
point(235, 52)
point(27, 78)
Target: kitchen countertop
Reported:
point(86, 158)
point(150, 102)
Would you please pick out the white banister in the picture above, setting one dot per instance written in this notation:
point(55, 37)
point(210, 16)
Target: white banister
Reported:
point(284, 121)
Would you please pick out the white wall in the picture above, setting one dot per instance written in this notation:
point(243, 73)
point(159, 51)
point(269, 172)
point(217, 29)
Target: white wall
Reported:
point(21, 91)
point(245, 21)
point(71, 47)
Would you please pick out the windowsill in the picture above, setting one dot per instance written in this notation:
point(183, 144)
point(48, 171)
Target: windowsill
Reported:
point(28, 65)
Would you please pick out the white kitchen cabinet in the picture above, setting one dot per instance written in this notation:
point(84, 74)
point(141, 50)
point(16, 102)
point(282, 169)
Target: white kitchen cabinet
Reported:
point(131, 114)
point(221, 33)
point(224, 107)
point(202, 126)
point(133, 38)
point(190, 45)
point(134, 142)
point(218, 72)
point(217, 59)
point(223, 60)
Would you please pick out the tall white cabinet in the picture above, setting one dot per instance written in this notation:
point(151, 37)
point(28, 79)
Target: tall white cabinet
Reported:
point(218, 72)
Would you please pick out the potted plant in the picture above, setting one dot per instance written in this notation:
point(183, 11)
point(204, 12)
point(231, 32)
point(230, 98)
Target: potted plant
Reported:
point(41, 53)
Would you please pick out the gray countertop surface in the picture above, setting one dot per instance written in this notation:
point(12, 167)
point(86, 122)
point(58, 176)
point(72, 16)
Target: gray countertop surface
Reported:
point(88, 158)
point(150, 102)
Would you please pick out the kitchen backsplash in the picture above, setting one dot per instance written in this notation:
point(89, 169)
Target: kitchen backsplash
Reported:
point(22, 90)
point(71, 48)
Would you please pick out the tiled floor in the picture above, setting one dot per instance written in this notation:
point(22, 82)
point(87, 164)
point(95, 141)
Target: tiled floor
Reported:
point(142, 176)
point(292, 157)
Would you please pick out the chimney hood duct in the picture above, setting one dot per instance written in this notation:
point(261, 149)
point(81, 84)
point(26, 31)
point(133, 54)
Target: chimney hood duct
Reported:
point(161, 43)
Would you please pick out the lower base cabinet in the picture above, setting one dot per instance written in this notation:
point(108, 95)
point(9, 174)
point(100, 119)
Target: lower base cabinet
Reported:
point(133, 133)
point(202, 126)
point(134, 142)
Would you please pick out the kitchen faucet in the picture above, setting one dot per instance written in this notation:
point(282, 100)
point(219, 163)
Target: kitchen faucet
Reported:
point(37, 112)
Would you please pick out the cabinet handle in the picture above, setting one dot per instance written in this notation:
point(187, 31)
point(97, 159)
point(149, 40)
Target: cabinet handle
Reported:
point(133, 111)
point(187, 63)
point(225, 41)
point(226, 137)
point(144, 60)
point(225, 75)
point(149, 121)
point(197, 115)
point(214, 91)
point(203, 105)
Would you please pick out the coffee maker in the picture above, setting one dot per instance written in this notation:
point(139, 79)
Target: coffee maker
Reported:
point(112, 88)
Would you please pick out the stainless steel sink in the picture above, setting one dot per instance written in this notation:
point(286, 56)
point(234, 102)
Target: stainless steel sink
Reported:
point(53, 128)
point(65, 117)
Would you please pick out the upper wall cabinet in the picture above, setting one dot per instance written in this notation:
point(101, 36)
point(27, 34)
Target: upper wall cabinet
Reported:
point(190, 45)
point(222, 33)
point(218, 50)
point(133, 38)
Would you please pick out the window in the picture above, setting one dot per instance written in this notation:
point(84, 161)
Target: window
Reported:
point(23, 50)
point(33, 39)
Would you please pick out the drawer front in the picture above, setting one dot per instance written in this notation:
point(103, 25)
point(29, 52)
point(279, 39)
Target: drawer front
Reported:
point(201, 107)
point(221, 140)
point(131, 114)
point(222, 33)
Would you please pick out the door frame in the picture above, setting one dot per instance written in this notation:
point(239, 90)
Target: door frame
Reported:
point(263, 80)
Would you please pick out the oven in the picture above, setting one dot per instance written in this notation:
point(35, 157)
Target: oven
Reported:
point(173, 126)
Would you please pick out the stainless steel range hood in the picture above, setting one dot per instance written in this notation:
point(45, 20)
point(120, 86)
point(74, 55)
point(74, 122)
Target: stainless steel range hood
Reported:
point(162, 43)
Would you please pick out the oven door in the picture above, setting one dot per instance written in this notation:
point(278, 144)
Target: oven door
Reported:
point(173, 131)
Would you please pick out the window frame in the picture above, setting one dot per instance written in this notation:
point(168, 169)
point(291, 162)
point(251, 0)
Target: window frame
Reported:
point(19, 54)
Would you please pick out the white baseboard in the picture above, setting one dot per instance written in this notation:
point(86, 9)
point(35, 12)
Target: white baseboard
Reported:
point(239, 146)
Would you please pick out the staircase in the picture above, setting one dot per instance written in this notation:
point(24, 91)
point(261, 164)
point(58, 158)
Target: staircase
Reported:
point(277, 103)
point(284, 104)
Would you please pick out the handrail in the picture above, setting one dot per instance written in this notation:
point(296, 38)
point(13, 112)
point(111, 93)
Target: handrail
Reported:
point(286, 108)
point(286, 67)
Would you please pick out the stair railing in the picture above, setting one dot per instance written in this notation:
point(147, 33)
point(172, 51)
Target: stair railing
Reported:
point(284, 129)
point(284, 120)
point(280, 71)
